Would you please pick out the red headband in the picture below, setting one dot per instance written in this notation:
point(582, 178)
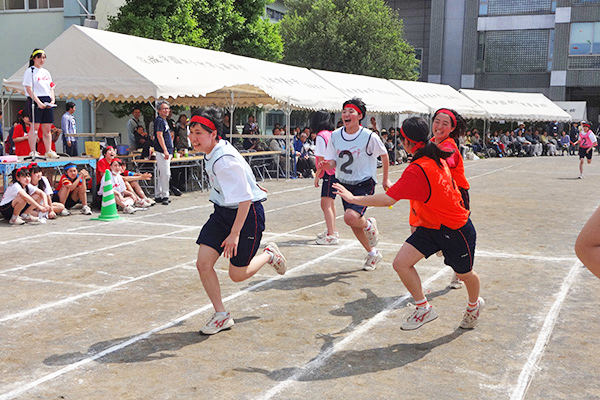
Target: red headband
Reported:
point(31, 165)
point(586, 124)
point(354, 107)
point(416, 145)
point(448, 113)
point(21, 169)
point(204, 121)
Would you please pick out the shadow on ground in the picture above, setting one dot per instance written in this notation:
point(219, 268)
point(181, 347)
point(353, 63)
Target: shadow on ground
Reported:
point(155, 347)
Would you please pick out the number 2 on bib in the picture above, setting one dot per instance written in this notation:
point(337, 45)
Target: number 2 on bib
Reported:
point(344, 167)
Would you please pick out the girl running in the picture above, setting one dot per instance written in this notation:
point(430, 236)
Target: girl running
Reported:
point(21, 201)
point(447, 127)
point(320, 122)
point(236, 225)
point(434, 198)
point(587, 141)
point(353, 151)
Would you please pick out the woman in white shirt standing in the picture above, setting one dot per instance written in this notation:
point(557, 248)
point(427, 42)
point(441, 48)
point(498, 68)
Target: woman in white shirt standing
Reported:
point(39, 87)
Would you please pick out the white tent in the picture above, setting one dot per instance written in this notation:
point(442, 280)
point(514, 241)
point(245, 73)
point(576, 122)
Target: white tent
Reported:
point(576, 109)
point(99, 65)
point(380, 95)
point(437, 96)
point(516, 106)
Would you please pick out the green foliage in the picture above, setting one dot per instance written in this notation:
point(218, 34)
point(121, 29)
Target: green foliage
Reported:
point(352, 36)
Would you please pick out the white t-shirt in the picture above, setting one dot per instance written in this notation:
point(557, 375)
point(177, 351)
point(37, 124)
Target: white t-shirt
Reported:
point(229, 171)
point(13, 191)
point(321, 147)
point(41, 83)
point(117, 182)
point(47, 189)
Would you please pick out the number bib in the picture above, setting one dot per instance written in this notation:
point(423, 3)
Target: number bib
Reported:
point(353, 162)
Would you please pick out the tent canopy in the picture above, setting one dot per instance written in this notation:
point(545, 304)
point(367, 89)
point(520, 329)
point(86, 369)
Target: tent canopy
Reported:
point(437, 96)
point(93, 64)
point(513, 106)
point(380, 95)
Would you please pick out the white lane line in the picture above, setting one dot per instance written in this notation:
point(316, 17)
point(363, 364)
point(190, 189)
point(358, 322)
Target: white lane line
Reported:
point(483, 253)
point(120, 235)
point(359, 331)
point(20, 390)
point(85, 253)
point(87, 294)
point(498, 170)
point(531, 366)
point(28, 279)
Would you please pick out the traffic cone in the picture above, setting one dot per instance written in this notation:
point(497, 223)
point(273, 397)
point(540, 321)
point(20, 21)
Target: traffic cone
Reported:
point(109, 206)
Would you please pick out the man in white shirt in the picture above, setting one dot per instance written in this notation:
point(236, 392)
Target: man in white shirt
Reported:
point(69, 127)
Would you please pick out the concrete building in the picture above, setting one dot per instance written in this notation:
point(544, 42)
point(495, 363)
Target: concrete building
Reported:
point(546, 46)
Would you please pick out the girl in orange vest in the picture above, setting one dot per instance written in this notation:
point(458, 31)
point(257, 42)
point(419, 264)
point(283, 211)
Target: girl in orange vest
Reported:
point(447, 126)
point(441, 220)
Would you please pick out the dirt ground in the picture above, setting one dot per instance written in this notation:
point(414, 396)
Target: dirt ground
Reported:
point(111, 310)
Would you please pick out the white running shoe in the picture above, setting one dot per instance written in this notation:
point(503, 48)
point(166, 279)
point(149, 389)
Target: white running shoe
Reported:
point(371, 261)
point(86, 210)
point(325, 233)
point(455, 283)
point(52, 154)
point(372, 233)
point(217, 323)
point(64, 213)
point(150, 201)
point(327, 239)
point(418, 318)
point(16, 220)
point(279, 262)
point(34, 154)
point(470, 318)
point(129, 209)
point(147, 203)
point(29, 218)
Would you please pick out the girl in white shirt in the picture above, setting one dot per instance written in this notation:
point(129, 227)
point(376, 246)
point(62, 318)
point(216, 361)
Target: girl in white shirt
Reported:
point(39, 181)
point(39, 87)
point(21, 201)
point(236, 225)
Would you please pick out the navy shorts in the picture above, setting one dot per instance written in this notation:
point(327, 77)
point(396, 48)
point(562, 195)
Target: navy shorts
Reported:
point(218, 227)
point(8, 210)
point(365, 188)
point(458, 245)
point(584, 153)
point(326, 189)
point(69, 203)
point(42, 116)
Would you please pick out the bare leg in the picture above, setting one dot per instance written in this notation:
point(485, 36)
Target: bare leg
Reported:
point(32, 137)
point(239, 274)
point(205, 263)
point(472, 283)
point(47, 136)
point(328, 207)
point(18, 204)
point(358, 223)
point(137, 189)
point(404, 265)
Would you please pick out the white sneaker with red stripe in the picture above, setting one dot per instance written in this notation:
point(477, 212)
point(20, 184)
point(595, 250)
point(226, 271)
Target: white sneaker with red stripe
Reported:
point(217, 323)
point(419, 317)
point(471, 317)
point(372, 233)
point(278, 261)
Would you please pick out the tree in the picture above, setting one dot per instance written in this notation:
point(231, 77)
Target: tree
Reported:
point(352, 36)
point(225, 25)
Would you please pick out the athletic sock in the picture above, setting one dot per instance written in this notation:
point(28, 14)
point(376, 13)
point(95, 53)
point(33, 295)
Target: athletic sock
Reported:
point(222, 313)
point(472, 306)
point(271, 254)
point(373, 252)
point(422, 303)
point(368, 225)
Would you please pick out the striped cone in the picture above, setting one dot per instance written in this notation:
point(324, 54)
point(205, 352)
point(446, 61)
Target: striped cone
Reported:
point(109, 206)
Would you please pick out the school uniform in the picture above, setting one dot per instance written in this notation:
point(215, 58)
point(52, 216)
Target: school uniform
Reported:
point(328, 176)
point(40, 80)
point(11, 193)
point(356, 161)
point(64, 181)
point(22, 147)
point(232, 182)
point(441, 220)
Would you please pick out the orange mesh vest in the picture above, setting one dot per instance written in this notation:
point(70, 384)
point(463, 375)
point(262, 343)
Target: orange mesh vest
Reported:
point(444, 205)
point(458, 172)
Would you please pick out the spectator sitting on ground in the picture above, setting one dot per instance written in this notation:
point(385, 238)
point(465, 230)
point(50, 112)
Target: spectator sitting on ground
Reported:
point(71, 189)
point(565, 143)
point(39, 181)
point(123, 197)
point(21, 202)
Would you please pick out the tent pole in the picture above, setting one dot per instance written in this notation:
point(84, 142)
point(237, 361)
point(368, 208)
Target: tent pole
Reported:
point(231, 109)
point(288, 111)
point(93, 117)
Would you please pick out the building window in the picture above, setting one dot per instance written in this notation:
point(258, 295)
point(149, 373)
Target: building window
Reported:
point(274, 15)
point(517, 51)
point(30, 5)
point(419, 57)
point(585, 38)
point(512, 7)
point(578, 2)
